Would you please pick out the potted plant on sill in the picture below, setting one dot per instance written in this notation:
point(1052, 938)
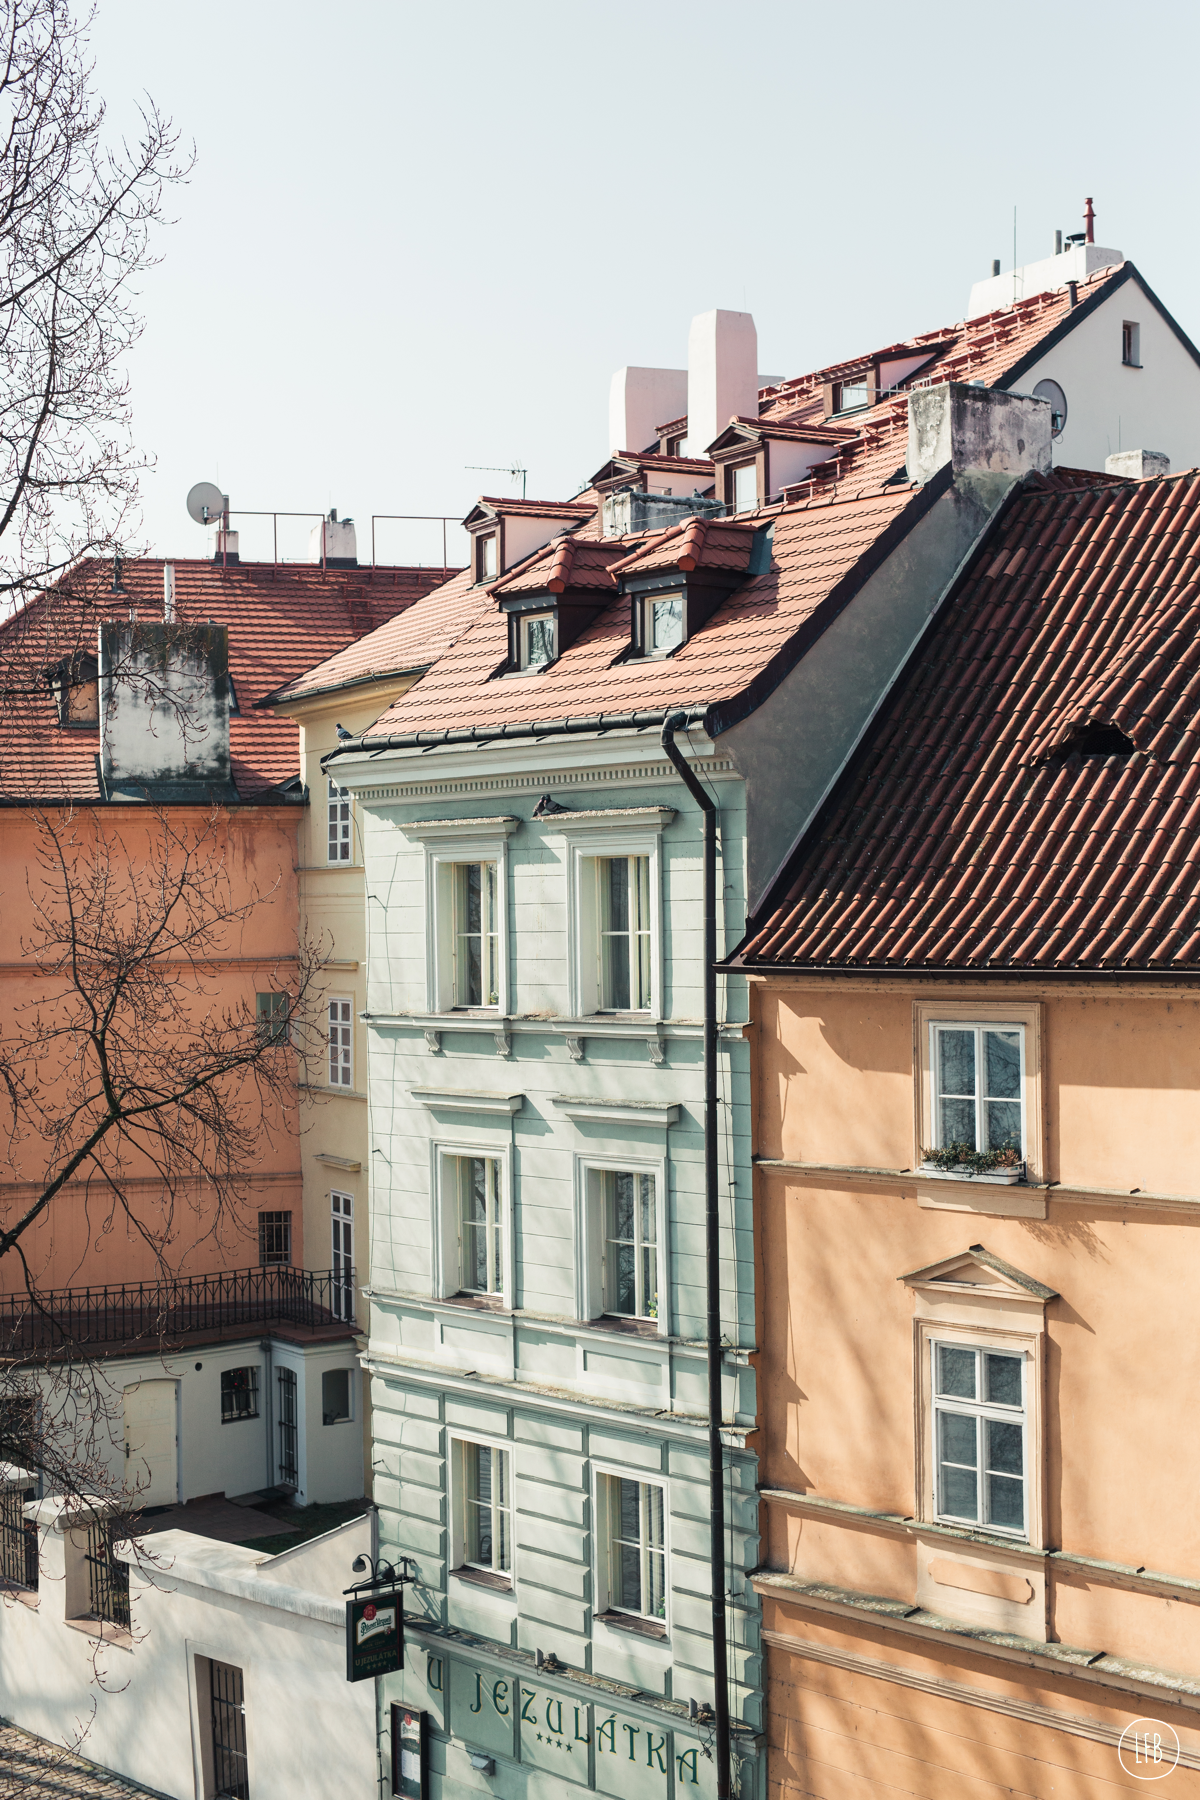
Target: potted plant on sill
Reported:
point(963, 1162)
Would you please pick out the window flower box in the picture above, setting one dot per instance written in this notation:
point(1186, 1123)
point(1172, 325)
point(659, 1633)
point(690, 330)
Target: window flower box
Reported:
point(1002, 1177)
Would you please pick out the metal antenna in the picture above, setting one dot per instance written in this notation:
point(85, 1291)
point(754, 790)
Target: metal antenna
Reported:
point(491, 469)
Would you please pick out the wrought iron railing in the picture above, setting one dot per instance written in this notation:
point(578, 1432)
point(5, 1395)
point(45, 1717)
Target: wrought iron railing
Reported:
point(18, 1538)
point(108, 1579)
point(175, 1308)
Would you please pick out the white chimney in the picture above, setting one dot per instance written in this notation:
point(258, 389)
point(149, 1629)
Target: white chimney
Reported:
point(722, 375)
point(1138, 465)
point(639, 401)
point(335, 541)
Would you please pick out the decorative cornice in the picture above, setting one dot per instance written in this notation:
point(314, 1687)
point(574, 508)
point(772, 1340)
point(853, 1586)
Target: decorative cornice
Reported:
point(908, 1183)
point(337, 1162)
point(502, 825)
point(582, 774)
point(584, 1111)
point(963, 1693)
point(464, 1101)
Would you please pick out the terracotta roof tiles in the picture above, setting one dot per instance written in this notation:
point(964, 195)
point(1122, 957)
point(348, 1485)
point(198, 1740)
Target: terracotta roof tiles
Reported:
point(993, 820)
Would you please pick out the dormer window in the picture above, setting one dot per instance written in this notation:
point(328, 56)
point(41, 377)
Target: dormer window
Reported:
point(675, 446)
point(485, 557)
point(745, 487)
point(536, 639)
point(76, 689)
point(851, 394)
point(664, 625)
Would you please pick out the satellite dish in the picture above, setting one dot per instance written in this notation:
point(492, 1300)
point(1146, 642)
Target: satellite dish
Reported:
point(206, 503)
point(1050, 390)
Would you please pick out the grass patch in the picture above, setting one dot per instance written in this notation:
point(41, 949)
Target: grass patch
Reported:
point(309, 1522)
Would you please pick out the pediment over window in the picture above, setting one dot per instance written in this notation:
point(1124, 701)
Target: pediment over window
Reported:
point(976, 1271)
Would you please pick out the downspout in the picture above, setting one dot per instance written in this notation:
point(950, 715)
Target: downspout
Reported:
point(712, 1255)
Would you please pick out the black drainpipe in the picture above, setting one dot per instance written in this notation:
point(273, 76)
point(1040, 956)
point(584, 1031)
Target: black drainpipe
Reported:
point(712, 1254)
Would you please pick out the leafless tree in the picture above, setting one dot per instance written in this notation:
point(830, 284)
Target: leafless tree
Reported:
point(77, 212)
point(137, 1091)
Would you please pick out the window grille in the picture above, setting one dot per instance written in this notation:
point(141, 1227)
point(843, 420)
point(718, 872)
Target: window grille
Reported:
point(274, 1239)
point(108, 1579)
point(239, 1394)
point(288, 1466)
point(18, 1538)
point(231, 1770)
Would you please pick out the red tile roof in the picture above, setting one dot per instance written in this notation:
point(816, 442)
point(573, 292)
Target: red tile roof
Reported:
point(973, 831)
point(537, 509)
point(281, 618)
point(575, 562)
point(703, 543)
point(751, 639)
point(410, 642)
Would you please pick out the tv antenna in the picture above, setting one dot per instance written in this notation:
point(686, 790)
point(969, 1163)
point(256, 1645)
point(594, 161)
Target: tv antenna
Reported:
point(491, 469)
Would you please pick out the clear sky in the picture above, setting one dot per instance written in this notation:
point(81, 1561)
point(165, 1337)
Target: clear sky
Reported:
point(419, 237)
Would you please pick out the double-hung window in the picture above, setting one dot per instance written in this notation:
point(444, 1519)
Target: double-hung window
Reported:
point(623, 947)
point(632, 1547)
point(978, 1086)
point(979, 1432)
point(483, 1476)
point(476, 934)
point(341, 1044)
point(630, 1281)
point(339, 820)
point(479, 1184)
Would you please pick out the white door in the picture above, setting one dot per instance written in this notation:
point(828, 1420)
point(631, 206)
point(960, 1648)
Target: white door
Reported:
point(151, 1459)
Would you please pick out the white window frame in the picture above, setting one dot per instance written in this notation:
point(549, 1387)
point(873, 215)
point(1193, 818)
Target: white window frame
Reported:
point(524, 621)
point(458, 1440)
point(587, 839)
point(446, 842)
point(603, 1472)
point(483, 541)
point(345, 1418)
point(677, 596)
point(991, 1015)
point(456, 932)
point(981, 1411)
point(590, 1236)
point(744, 468)
point(341, 1226)
point(447, 1251)
point(978, 1026)
point(336, 798)
point(1134, 359)
point(332, 1000)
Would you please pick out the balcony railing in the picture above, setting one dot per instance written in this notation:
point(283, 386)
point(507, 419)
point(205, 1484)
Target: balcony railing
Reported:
point(147, 1310)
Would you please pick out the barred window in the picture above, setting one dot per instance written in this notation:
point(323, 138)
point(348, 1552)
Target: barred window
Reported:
point(274, 1238)
point(239, 1394)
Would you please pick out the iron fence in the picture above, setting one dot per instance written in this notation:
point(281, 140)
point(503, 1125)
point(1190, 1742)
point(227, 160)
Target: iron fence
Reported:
point(18, 1538)
point(175, 1308)
point(108, 1579)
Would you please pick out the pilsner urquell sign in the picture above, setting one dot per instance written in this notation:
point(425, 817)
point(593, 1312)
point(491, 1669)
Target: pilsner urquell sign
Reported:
point(374, 1636)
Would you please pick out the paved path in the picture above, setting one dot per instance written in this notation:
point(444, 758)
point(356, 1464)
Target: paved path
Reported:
point(218, 1518)
point(31, 1769)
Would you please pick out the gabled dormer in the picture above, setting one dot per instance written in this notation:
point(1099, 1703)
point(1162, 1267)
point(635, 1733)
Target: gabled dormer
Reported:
point(754, 462)
point(676, 582)
point(855, 388)
point(653, 472)
point(505, 532)
point(553, 598)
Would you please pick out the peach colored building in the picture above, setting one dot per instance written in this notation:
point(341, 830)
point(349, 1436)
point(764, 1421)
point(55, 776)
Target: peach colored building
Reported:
point(977, 1011)
point(93, 742)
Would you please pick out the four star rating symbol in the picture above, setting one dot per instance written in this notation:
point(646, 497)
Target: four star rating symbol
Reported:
point(556, 1743)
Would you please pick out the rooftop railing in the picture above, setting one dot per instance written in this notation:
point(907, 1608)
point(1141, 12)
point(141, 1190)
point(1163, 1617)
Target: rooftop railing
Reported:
point(91, 1317)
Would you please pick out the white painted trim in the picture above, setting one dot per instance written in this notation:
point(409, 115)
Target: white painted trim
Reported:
point(988, 1014)
point(445, 1264)
point(643, 838)
point(443, 852)
point(657, 1114)
point(456, 1500)
point(448, 830)
point(600, 1580)
point(463, 1100)
point(589, 1277)
point(599, 819)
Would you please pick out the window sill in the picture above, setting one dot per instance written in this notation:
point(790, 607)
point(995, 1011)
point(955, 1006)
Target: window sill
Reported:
point(995, 1177)
point(331, 1093)
point(489, 1303)
point(639, 1328)
point(103, 1630)
point(621, 1621)
point(241, 1419)
point(26, 1595)
point(484, 1578)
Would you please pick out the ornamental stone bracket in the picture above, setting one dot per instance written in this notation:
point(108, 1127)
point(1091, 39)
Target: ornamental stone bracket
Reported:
point(658, 1051)
point(503, 1042)
point(575, 1046)
point(433, 1041)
